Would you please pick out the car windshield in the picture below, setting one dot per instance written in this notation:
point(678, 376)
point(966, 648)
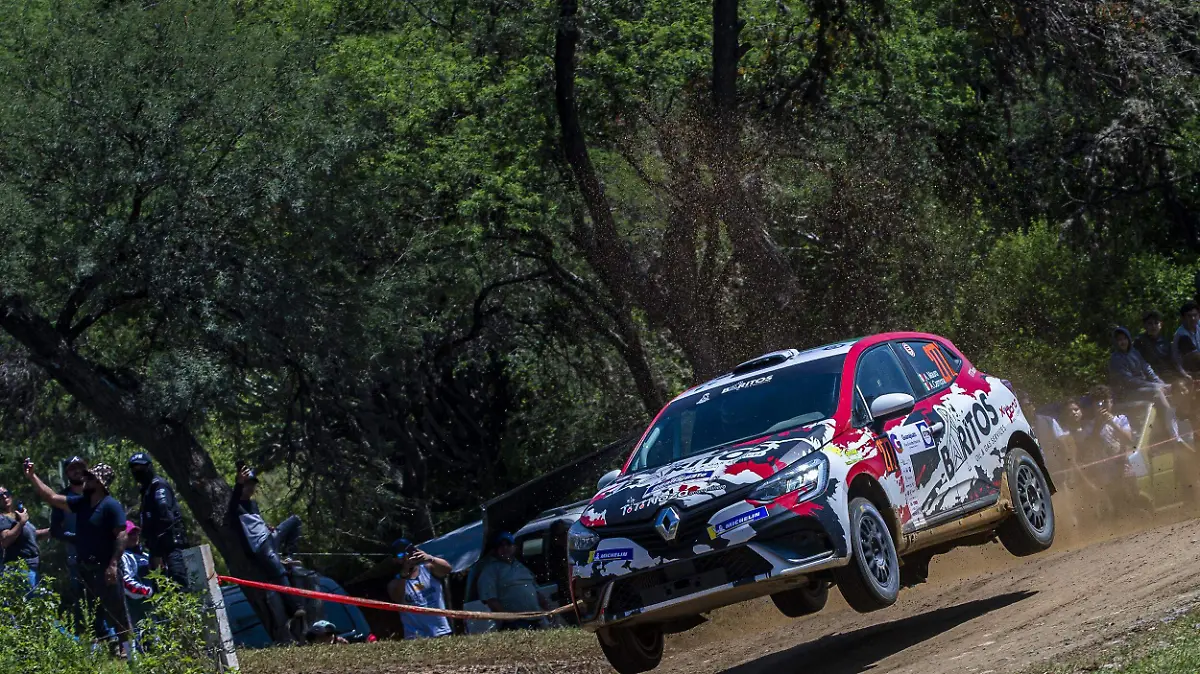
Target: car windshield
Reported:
point(751, 407)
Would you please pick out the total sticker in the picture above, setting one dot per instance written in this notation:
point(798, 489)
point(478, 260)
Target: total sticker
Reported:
point(758, 513)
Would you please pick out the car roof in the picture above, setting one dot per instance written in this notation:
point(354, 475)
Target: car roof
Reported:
point(571, 513)
point(790, 358)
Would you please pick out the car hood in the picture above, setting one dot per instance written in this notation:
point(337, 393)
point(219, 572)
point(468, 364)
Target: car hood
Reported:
point(689, 482)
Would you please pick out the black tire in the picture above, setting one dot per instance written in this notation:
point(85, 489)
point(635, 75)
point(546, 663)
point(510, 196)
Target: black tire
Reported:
point(631, 650)
point(802, 601)
point(1030, 529)
point(871, 580)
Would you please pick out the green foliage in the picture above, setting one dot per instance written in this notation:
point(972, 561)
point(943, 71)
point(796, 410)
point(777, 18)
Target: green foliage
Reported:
point(35, 637)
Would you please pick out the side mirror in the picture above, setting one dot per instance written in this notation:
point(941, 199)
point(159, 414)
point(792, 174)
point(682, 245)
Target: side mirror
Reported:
point(611, 475)
point(891, 405)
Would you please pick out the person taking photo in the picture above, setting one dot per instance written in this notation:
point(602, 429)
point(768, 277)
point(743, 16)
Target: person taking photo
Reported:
point(419, 583)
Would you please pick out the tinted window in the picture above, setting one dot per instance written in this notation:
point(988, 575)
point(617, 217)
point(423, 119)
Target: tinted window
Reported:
point(879, 372)
point(929, 363)
point(751, 407)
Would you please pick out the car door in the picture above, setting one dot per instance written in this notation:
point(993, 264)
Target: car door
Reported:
point(879, 372)
point(948, 426)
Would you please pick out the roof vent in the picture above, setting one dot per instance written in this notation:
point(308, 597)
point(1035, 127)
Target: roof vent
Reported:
point(763, 362)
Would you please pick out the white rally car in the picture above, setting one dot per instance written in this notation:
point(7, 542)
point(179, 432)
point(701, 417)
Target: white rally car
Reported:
point(852, 464)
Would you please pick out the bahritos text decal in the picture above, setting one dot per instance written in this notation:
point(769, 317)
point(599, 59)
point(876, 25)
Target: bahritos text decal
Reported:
point(971, 431)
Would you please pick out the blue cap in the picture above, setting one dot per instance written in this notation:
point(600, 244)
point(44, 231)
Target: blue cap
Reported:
point(401, 546)
point(140, 459)
point(503, 537)
point(323, 626)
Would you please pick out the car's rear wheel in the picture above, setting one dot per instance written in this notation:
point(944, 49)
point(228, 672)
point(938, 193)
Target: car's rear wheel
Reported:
point(804, 600)
point(631, 650)
point(1030, 529)
point(871, 580)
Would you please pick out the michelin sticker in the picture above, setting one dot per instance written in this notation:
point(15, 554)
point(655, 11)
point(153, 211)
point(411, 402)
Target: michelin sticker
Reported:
point(615, 555)
point(758, 513)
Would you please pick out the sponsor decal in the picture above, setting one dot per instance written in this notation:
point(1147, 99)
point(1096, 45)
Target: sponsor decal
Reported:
point(909, 350)
point(615, 555)
point(677, 479)
point(1009, 411)
point(939, 361)
point(926, 435)
point(970, 433)
point(704, 398)
point(885, 448)
point(747, 383)
point(657, 499)
point(759, 513)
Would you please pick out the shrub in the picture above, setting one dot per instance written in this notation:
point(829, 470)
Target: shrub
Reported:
point(36, 636)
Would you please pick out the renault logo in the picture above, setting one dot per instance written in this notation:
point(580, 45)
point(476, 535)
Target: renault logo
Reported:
point(667, 523)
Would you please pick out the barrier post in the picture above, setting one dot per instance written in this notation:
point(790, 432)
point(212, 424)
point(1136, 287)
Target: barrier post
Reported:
point(202, 577)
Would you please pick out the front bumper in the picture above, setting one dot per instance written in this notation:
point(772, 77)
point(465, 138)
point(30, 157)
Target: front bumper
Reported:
point(781, 555)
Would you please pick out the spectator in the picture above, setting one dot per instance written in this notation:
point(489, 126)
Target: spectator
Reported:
point(18, 537)
point(99, 545)
point(1134, 380)
point(1155, 349)
point(1113, 443)
point(508, 586)
point(324, 632)
point(162, 520)
point(1185, 347)
point(264, 544)
point(62, 528)
point(419, 583)
point(135, 567)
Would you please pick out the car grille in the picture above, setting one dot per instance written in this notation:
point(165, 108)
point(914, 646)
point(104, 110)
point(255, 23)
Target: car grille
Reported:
point(693, 528)
point(683, 578)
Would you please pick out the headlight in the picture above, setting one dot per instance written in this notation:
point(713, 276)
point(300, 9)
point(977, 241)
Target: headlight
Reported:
point(807, 477)
point(581, 538)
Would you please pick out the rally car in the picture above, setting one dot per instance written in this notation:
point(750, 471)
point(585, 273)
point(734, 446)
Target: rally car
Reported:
point(849, 464)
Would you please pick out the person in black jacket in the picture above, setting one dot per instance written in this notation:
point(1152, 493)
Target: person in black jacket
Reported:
point(263, 543)
point(163, 530)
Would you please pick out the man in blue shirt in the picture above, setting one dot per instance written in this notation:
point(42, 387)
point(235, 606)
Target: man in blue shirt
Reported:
point(99, 543)
point(419, 583)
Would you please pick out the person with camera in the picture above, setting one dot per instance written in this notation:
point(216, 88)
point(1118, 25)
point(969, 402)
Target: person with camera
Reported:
point(163, 528)
point(419, 583)
point(263, 543)
point(18, 537)
point(1114, 442)
point(1132, 378)
point(99, 544)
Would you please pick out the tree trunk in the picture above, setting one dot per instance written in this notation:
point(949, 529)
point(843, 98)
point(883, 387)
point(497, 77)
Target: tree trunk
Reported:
point(173, 446)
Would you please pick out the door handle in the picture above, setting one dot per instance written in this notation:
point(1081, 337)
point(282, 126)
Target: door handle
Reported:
point(937, 429)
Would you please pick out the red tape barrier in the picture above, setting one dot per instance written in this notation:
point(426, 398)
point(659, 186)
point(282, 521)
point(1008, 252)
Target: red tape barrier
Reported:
point(388, 606)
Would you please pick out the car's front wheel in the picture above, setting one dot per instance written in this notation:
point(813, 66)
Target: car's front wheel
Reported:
point(1030, 529)
point(804, 600)
point(871, 580)
point(631, 650)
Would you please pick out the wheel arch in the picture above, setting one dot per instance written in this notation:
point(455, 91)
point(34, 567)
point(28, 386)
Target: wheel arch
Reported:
point(865, 485)
point(1027, 443)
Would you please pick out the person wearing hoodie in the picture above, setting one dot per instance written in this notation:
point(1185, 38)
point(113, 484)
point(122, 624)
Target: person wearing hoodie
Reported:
point(1132, 379)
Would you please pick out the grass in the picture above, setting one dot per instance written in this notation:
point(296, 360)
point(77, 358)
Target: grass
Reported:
point(563, 647)
point(1167, 646)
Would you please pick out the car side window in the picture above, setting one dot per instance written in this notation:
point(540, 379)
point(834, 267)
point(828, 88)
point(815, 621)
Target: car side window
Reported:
point(932, 371)
point(879, 372)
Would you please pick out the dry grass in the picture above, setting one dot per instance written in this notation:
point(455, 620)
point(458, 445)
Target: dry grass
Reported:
point(561, 650)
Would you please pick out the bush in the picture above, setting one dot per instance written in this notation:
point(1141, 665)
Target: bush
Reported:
point(36, 638)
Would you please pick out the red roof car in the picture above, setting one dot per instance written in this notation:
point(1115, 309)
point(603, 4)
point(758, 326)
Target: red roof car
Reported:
point(851, 463)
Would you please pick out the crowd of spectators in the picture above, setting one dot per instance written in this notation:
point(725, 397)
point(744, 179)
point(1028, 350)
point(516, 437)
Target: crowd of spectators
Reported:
point(1095, 442)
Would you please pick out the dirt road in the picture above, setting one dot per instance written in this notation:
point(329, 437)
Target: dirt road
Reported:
point(982, 611)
